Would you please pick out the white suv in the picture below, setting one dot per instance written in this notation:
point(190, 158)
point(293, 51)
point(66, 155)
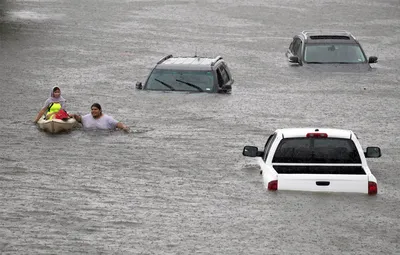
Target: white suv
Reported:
point(319, 160)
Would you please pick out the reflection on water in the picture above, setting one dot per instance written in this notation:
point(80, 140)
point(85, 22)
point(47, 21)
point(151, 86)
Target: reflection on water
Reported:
point(3, 9)
point(7, 26)
point(14, 17)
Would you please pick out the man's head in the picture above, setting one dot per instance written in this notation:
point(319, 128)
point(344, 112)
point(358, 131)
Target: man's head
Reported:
point(96, 110)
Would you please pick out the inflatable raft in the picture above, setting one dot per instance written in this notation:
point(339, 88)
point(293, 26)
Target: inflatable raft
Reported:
point(57, 125)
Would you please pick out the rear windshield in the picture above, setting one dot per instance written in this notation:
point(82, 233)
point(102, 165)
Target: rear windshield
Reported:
point(316, 150)
point(342, 169)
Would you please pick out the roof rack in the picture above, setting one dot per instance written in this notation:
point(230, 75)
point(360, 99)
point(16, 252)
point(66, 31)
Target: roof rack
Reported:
point(215, 60)
point(305, 33)
point(164, 58)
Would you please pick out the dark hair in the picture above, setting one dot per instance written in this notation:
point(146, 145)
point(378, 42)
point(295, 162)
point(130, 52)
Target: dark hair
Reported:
point(56, 88)
point(98, 106)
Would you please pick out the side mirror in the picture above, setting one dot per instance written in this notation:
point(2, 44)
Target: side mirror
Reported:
point(139, 85)
point(251, 151)
point(226, 88)
point(293, 59)
point(373, 152)
point(373, 59)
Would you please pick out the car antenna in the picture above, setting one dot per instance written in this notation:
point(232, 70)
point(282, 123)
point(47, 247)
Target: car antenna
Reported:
point(195, 52)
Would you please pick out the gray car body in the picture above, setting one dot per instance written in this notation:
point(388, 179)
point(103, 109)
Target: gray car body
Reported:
point(195, 63)
point(332, 37)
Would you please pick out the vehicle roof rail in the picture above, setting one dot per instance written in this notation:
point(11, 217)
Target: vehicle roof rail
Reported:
point(164, 58)
point(341, 32)
point(215, 60)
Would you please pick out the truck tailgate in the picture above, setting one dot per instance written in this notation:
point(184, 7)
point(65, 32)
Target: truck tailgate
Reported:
point(325, 183)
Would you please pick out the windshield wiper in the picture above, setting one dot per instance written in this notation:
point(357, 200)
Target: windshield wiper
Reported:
point(165, 84)
point(316, 62)
point(191, 85)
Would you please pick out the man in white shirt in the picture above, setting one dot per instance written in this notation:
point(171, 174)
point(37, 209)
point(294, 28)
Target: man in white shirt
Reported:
point(96, 119)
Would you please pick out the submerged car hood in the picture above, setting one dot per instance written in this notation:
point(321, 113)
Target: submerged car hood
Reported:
point(338, 67)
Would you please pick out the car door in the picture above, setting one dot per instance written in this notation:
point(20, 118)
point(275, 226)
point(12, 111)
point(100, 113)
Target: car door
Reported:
point(267, 171)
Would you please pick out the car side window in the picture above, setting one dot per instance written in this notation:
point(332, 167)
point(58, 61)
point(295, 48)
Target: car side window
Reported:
point(268, 145)
point(222, 75)
point(296, 47)
point(219, 77)
point(291, 46)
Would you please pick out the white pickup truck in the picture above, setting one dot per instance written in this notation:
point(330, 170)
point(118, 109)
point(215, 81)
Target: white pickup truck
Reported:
point(318, 160)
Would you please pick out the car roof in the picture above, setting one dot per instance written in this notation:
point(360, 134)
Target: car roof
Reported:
point(188, 63)
point(328, 36)
point(302, 132)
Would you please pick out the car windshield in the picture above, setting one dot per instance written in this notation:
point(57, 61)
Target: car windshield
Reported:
point(180, 80)
point(317, 150)
point(334, 53)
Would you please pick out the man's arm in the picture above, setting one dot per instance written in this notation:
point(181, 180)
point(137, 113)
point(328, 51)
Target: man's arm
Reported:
point(122, 126)
point(77, 117)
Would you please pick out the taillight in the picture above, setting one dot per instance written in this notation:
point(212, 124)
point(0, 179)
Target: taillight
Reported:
point(273, 185)
point(372, 188)
point(317, 135)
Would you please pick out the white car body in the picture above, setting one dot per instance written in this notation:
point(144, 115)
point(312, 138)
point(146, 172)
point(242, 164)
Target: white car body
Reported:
point(355, 177)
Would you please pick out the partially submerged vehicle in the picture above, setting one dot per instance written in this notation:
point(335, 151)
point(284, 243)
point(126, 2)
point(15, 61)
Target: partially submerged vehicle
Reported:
point(189, 74)
point(318, 160)
point(330, 50)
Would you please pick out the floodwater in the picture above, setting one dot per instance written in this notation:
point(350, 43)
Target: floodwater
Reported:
point(178, 184)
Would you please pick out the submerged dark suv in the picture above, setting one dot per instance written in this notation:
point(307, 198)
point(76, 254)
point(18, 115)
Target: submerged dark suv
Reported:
point(329, 48)
point(192, 74)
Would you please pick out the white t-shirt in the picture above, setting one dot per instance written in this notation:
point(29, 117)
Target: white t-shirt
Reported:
point(104, 122)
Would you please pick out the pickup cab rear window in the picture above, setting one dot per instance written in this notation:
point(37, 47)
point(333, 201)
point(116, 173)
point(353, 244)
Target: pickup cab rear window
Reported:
point(317, 150)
